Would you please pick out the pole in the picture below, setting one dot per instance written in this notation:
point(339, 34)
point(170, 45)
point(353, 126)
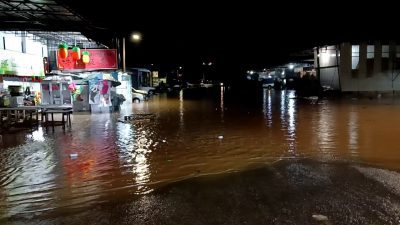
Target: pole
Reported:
point(318, 68)
point(118, 47)
point(338, 65)
point(123, 55)
point(318, 72)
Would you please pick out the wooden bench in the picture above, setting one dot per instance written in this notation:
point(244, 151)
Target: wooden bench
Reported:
point(13, 116)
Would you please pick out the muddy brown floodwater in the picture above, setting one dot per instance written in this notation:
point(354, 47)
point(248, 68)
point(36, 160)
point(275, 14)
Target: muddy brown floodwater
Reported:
point(210, 160)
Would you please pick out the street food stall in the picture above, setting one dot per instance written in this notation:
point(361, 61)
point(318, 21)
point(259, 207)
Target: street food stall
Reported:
point(55, 92)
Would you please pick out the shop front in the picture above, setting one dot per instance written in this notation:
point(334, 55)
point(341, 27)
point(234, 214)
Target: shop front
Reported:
point(21, 75)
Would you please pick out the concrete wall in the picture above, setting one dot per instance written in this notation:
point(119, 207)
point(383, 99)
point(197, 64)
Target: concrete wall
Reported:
point(328, 67)
point(370, 75)
point(22, 43)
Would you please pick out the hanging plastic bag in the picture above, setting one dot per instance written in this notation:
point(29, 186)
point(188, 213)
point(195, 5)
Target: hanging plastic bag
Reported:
point(104, 89)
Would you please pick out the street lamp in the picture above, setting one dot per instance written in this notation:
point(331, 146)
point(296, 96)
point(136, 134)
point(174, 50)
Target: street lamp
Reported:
point(205, 69)
point(177, 72)
point(136, 37)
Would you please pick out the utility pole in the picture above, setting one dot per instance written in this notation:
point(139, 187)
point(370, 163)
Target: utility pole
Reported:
point(123, 55)
point(318, 74)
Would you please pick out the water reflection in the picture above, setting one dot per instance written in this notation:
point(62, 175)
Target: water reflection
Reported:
point(135, 142)
point(283, 108)
point(353, 131)
point(27, 180)
point(37, 135)
point(267, 106)
point(188, 138)
point(325, 131)
point(85, 161)
point(288, 120)
point(181, 110)
point(221, 105)
point(291, 110)
point(141, 166)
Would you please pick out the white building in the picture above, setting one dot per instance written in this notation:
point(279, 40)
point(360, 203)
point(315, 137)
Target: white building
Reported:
point(359, 67)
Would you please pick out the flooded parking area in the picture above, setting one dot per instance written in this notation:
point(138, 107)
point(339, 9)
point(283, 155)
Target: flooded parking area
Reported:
point(210, 160)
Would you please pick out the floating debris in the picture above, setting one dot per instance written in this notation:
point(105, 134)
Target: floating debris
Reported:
point(319, 217)
point(147, 117)
point(73, 155)
point(220, 137)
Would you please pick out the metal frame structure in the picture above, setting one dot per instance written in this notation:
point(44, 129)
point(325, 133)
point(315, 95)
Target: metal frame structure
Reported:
point(48, 21)
point(39, 15)
point(53, 39)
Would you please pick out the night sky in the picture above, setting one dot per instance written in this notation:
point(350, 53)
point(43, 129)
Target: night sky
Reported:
point(235, 36)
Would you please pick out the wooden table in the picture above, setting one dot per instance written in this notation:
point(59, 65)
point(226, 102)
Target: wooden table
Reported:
point(27, 113)
point(13, 115)
point(64, 111)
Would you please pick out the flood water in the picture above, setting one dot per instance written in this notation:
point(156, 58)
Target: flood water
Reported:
point(104, 159)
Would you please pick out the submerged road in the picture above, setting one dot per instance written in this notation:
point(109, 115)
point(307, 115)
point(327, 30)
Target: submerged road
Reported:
point(287, 192)
point(207, 158)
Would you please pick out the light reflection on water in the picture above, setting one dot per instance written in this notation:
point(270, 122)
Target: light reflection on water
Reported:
point(181, 110)
point(187, 137)
point(221, 105)
point(326, 125)
point(287, 117)
point(38, 135)
point(353, 131)
point(291, 127)
point(267, 106)
point(135, 144)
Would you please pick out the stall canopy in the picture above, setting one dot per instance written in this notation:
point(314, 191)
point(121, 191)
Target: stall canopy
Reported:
point(102, 76)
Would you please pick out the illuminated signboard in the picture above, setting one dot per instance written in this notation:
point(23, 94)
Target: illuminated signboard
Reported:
point(99, 59)
point(20, 64)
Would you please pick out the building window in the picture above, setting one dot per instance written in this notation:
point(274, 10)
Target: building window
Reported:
point(385, 51)
point(370, 51)
point(385, 57)
point(398, 51)
point(355, 56)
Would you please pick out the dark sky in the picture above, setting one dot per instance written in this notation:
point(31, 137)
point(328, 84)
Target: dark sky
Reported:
point(233, 34)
